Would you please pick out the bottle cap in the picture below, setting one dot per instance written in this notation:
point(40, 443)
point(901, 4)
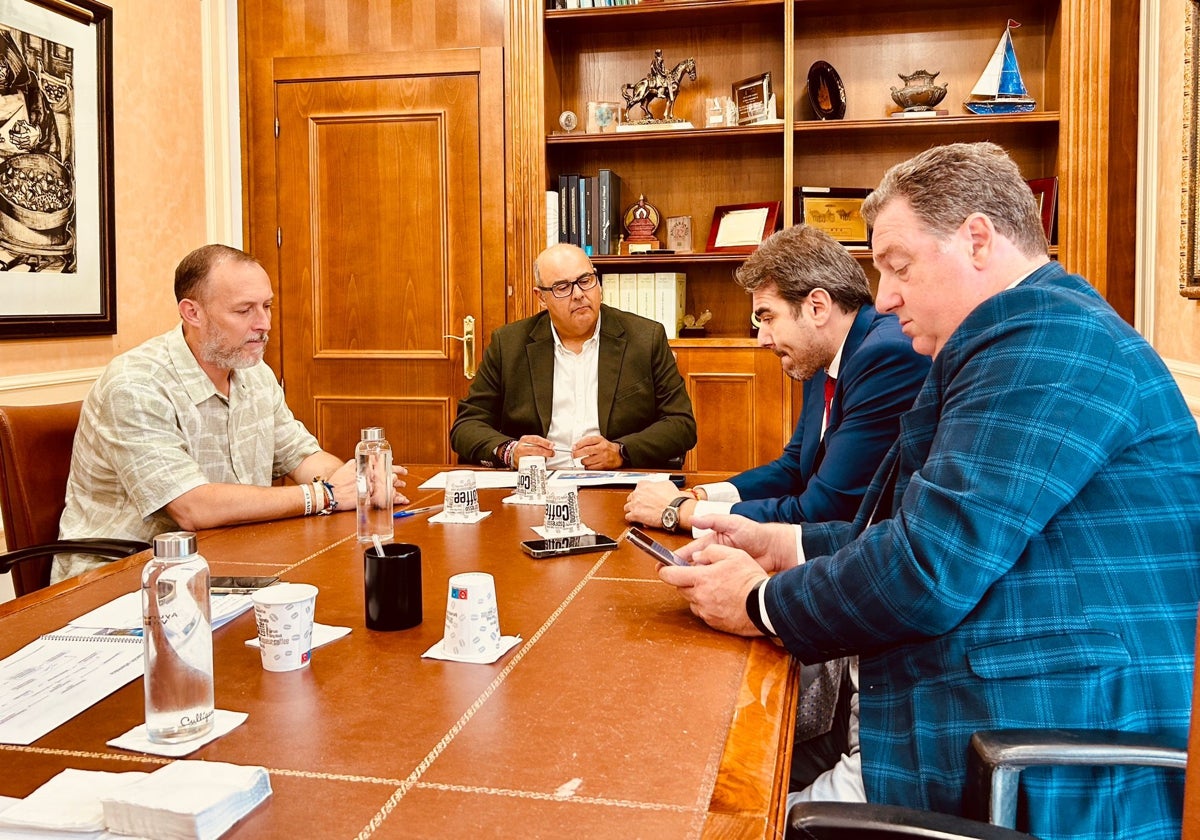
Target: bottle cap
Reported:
point(175, 544)
point(372, 433)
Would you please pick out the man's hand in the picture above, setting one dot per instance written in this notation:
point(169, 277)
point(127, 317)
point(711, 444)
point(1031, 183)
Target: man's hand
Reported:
point(597, 453)
point(397, 482)
point(531, 445)
point(648, 501)
point(717, 588)
point(345, 489)
point(772, 545)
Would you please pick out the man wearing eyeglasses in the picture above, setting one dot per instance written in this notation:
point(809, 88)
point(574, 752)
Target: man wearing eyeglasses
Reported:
point(581, 384)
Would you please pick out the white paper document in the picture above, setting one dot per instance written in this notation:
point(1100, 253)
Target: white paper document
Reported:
point(57, 676)
point(484, 480)
point(54, 678)
point(125, 612)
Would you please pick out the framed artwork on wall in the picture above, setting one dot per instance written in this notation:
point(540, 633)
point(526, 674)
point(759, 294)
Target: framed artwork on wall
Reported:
point(57, 254)
point(1189, 268)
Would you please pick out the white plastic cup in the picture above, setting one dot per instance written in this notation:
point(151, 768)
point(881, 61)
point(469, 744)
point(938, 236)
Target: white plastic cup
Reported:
point(472, 619)
point(531, 478)
point(284, 614)
point(462, 496)
point(562, 509)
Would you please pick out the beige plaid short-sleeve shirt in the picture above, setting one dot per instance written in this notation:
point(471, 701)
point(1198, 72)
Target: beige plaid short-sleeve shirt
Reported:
point(154, 427)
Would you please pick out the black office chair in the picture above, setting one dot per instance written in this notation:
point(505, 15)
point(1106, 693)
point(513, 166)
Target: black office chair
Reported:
point(35, 460)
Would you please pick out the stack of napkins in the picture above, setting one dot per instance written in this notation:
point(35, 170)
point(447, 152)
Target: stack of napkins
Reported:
point(67, 805)
point(186, 800)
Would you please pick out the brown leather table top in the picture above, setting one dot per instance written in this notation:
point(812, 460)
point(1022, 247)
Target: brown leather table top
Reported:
point(672, 729)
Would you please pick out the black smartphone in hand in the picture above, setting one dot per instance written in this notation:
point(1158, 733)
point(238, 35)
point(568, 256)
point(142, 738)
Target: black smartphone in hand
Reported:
point(580, 544)
point(655, 549)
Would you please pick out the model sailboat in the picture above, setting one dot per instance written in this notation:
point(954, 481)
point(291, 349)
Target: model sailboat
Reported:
point(1000, 90)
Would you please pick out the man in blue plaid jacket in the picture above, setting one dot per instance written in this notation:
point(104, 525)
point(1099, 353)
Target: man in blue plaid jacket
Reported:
point(1028, 554)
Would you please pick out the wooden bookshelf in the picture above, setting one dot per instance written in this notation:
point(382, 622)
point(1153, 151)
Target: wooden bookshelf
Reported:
point(567, 58)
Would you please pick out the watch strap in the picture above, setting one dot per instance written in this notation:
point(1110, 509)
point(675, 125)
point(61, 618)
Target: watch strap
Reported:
point(754, 608)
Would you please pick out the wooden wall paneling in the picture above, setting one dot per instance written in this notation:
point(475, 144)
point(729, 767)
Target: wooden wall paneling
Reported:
point(526, 213)
point(1083, 171)
point(341, 420)
point(738, 398)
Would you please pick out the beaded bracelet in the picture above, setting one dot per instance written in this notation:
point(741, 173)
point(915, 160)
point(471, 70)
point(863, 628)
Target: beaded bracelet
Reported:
point(308, 499)
point(506, 452)
point(331, 500)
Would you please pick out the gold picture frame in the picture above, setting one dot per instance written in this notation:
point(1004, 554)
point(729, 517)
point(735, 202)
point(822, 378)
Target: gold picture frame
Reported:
point(835, 210)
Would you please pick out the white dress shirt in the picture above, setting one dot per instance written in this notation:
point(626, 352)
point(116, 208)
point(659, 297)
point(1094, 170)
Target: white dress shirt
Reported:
point(574, 412)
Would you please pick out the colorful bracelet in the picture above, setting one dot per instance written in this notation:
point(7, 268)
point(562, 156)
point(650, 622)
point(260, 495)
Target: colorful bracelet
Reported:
point(331, 500)
point(506, 452)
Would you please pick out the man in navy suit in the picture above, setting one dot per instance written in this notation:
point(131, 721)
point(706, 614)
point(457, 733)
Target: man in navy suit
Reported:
point(813, 303)
point(1027, 554)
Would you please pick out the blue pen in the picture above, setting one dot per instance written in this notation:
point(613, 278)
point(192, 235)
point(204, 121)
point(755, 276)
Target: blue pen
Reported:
point(401, 514)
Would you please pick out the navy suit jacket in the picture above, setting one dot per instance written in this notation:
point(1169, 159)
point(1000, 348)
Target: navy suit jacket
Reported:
point(1040, 566)
point(816, 480)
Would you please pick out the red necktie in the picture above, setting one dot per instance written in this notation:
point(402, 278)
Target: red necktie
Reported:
point(830, 384)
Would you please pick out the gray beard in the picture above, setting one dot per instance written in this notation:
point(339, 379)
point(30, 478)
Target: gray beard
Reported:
point(236, 358)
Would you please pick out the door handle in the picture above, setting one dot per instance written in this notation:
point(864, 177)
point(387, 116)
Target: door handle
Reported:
point(468, 340)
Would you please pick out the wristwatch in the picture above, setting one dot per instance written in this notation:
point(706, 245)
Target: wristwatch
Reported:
point(670, 515)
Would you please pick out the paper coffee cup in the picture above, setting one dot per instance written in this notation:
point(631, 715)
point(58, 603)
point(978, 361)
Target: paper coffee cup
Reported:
point(284, 614)
point(562, 509)
point(472, 620)
point(462, 496)
point(531, 478)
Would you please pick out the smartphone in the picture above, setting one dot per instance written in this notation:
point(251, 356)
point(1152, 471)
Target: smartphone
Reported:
point(568, 545)
point(655, 549)
point(239, 584)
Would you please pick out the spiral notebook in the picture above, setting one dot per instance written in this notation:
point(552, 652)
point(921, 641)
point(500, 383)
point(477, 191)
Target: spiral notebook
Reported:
point(59, 675)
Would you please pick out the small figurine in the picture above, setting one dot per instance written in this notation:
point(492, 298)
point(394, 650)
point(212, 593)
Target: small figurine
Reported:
point(659, 83)
point(640, 222)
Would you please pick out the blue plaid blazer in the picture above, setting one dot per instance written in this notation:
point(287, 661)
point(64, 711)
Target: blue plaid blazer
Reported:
point(816, 480)
point(1038, 564)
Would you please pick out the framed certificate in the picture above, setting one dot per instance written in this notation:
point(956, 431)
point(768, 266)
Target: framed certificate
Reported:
point(741, 228)
point(835, 210)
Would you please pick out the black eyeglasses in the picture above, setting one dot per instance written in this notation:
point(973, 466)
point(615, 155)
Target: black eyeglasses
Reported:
point(563, 289)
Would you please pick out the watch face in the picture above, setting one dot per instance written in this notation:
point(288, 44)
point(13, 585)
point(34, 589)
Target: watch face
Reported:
point(670, 518)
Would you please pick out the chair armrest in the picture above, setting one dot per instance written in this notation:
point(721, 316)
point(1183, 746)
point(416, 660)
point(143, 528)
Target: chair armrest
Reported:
point(998, 756)
point(860, 821)
point(102, 547)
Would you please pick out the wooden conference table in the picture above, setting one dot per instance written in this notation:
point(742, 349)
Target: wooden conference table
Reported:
point(671, 729)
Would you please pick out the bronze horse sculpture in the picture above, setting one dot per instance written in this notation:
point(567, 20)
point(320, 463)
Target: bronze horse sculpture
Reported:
point(644, 91)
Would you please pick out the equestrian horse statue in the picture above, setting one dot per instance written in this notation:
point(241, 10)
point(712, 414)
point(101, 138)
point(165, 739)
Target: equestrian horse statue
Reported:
point(658, 85)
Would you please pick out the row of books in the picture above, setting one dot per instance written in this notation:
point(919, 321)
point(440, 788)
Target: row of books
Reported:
point(588, 4)
point(658, 295)
point(587, 212)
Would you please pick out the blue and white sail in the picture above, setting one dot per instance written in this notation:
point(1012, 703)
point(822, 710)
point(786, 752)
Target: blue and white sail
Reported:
point(1001, 90)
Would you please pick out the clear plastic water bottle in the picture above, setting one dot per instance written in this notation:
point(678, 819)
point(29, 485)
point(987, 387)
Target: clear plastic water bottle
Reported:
point(373, 460)
point(177, 628)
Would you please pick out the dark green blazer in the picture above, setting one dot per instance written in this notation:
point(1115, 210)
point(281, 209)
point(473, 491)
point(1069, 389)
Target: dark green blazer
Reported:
point(642, 402)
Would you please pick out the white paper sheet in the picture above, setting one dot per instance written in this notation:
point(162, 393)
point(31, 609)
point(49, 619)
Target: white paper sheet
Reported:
point(484, 480)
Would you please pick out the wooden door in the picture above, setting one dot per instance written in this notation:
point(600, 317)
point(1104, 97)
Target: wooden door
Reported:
point(390, 192)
